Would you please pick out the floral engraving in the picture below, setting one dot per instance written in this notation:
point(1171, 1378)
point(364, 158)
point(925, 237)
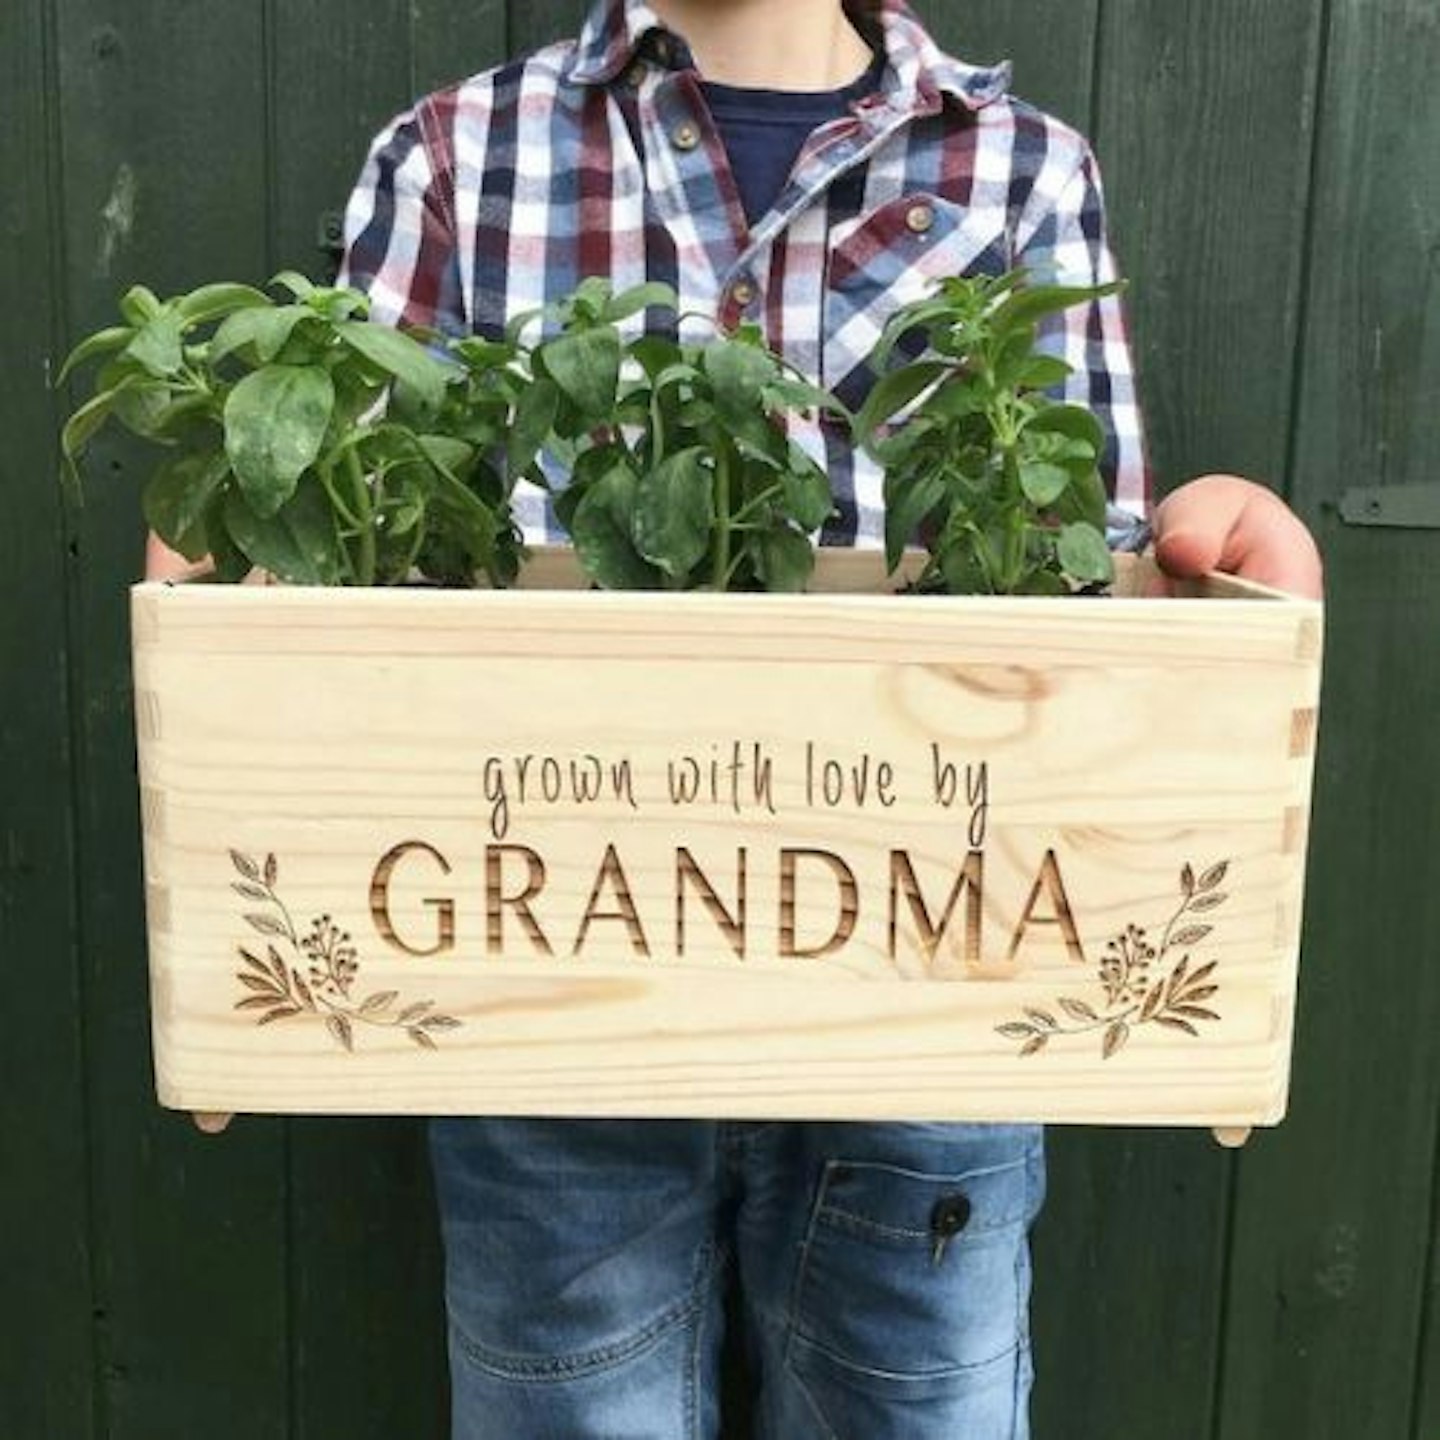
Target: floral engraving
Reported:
point(317, 982)
point(1141, 982)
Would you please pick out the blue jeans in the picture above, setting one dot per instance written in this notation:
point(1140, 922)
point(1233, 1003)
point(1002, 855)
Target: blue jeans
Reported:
point(884, 1271)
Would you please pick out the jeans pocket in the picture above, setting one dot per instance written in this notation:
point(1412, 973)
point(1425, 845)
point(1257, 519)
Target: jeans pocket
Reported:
point(913, 1282)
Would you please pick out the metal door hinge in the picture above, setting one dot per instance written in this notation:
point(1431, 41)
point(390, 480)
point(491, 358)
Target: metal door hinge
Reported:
point(1402, 507)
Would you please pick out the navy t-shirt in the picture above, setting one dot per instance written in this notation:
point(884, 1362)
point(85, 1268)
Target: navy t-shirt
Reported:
point(764, 130)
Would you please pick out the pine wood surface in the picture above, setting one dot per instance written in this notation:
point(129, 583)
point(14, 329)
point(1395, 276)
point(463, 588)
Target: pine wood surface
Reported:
point(876, 747)
point(281, 1283)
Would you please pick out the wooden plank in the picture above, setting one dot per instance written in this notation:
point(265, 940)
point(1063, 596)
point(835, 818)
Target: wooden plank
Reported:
point(1208, 222)
point(369, 1312)
point(534, 23)
point(1051, 44)
point(163, 126)
point(450, 39)
point(46, 1345)
point(424, 715)
point(338, 73)
point(1181, 90)
point(1334, 1326)
point(365, 1308)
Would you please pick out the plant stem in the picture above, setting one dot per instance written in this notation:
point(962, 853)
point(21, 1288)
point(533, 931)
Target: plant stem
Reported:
point(365, 518)
point(720, 561)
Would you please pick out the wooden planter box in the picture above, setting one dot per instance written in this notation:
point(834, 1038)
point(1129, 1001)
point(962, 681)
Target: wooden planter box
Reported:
point(838, 855)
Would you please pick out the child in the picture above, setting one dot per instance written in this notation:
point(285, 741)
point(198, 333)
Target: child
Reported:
point(810, 166)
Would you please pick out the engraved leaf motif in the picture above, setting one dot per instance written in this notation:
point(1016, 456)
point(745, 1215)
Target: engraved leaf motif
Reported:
point(253, 960)
point(264, 985)
point(413, 1012)
point(421, 1038)
point(1078, 1010)
point(1115, 1037)
point(1195, 1012)
point(265, 924)
point(1201, 903)
point(1172, 1022)
point(1152, 1002)
point(440, 1022)
point(382, 1000)
point(256, 1002)
point(272, 870)
point(245, 865)
point(1191, 935)
point(1043, 1018)
point(1187, 880)
point(1213, 876)
point(1034, 1045)
point(249, 890)
point(1016, 1031)
point(281, 1012)
point(339, 1027)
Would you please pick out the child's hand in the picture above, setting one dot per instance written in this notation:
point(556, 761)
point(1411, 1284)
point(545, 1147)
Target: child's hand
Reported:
point(1221, 522)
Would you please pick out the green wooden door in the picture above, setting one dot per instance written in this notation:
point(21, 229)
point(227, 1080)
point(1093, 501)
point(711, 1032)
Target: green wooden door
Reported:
point(1276, 202)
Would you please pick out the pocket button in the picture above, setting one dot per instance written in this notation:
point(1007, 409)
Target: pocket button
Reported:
point(950, 1215)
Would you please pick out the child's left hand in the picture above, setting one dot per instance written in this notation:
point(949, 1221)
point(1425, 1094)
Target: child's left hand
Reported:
point(1221, 522)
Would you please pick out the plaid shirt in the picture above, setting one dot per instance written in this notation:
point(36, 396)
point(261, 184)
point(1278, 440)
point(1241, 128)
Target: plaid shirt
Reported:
point(597, 156)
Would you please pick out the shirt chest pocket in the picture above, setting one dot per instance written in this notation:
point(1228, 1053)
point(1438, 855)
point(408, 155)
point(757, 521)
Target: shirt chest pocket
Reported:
point(891, 256)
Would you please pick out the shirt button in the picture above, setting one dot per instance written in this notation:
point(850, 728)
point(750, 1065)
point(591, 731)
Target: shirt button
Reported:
point(743, 293)
point(920, 218)
point(685, 136)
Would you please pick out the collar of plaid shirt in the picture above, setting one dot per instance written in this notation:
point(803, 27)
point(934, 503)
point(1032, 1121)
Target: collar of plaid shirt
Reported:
point(597, 156)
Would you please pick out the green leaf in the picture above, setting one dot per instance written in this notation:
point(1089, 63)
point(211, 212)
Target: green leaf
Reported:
point(1043, 372)
point(808, 497)
point(177, 497)
point(654, 353)
point(893, 394)
point(600, 529)
point(102, 342)
point(398, 355)
point(296, 544)
point(157, 345)
point(586, 367)
point(674, 509)
point(275, 423)
point(265, 331)
point(142, 408)
point(1032, 303)
point(639, 297)
point(1042, 482)
point(213, 302)
point(963, 568)
point(85, 423)
point(535, 413)
point(1073, 421)
point(296, 283)
point(139, 304)
point(1083, 554)
point(906, 509)
point(784, 559)
point(738, 374)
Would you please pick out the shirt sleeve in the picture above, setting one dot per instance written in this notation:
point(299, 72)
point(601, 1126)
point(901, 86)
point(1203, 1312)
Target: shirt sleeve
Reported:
point(1066, 242)
point(400, 239)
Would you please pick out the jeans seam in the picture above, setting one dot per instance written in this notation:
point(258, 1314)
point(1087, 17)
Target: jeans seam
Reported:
point(568, 1367)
